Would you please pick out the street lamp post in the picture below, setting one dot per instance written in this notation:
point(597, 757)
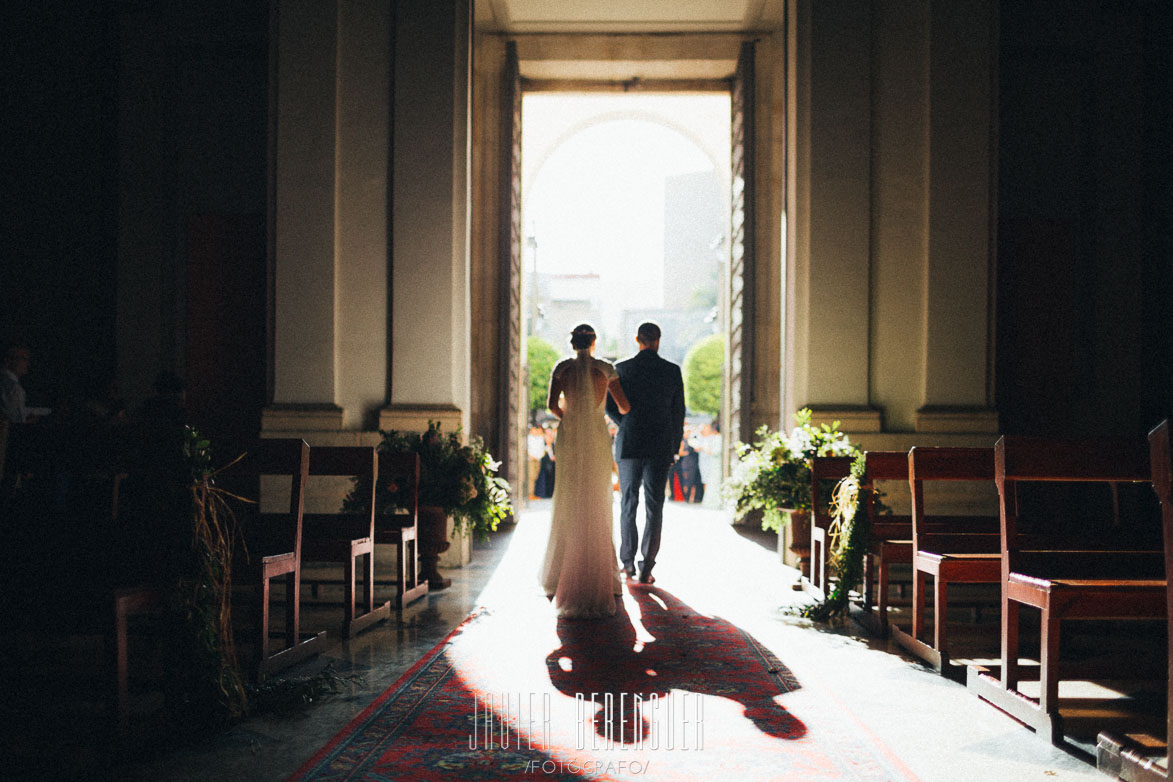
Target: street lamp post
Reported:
point(531, 241)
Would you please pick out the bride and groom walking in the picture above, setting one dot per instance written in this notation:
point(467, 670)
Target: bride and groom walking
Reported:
point(644, 396)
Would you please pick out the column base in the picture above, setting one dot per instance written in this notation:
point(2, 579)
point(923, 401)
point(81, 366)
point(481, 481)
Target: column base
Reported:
point(301, 418)
point(851, 418)
point(415, 418)
point(959, 420)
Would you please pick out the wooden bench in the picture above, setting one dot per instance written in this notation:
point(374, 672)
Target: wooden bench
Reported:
point(1114, 755)
point(824, 470)
point(889, 535)
point(125, 603)
point(346, 538)
point(399, 527)
point(273, 549)
point(951, 549)
point(1065, 572)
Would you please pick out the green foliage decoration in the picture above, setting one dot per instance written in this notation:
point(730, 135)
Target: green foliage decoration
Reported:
point(847, 542)
point(460, 478)
point(774, 474)
point(704, 367)
point(206, 686)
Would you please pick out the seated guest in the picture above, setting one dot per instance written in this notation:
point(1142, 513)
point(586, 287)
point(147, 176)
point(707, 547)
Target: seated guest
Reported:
point(12, 398)
point(166, 408)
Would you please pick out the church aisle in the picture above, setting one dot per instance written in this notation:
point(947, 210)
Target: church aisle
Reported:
point(852, 709)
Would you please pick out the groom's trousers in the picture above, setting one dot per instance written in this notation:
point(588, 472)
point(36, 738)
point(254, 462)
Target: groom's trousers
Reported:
point(652, 475)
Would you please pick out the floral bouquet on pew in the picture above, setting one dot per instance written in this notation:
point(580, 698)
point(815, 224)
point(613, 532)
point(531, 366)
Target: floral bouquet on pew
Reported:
point(774, 474)
point(461, 478)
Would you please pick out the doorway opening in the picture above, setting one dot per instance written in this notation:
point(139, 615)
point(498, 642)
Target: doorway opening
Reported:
point(626, 203)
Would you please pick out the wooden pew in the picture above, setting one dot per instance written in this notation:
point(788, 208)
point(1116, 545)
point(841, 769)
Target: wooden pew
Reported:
point(272, 549)
point(889, 536)
point(347, 538)
point(1066, 574)
point(824, 470)
point(951, 549)
point(126, 601)
point(1116, 756)
point(399, 527)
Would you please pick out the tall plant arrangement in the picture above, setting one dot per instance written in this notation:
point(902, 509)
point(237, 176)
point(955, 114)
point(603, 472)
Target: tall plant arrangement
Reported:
point(774, 474)
point(206, 684)
point(847, 541)
point(460, 478)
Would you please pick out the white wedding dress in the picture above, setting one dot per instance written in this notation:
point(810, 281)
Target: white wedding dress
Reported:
point(580, 568)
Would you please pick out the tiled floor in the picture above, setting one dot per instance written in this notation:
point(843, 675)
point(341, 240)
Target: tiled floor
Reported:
point(937, 729)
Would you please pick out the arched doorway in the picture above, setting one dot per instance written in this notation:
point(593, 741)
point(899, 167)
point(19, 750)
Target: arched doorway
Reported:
point(735, 296)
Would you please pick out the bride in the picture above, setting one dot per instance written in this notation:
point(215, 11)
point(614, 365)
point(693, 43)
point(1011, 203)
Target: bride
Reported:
point(580, 570)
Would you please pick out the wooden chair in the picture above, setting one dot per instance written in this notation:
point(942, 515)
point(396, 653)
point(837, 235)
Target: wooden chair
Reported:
point(1066, 574)
point(399, 527)
point(889, 536)
point(347, 537)
point(1119, 757)
point(125, 602)
point(3, 448)
point(824, 469)
point(273, 542)
point(951, 549)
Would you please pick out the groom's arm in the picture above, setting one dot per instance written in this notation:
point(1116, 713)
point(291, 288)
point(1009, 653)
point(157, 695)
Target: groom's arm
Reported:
point(678, 405)
point(613, 410)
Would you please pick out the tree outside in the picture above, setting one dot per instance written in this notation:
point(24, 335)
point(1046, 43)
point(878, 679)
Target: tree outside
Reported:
point(542, 357)
point(703, 367)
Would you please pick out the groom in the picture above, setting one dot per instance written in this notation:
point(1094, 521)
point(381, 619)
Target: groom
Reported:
point(648, 439)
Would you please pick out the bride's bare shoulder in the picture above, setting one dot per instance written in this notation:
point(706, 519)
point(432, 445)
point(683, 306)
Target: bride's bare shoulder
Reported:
point(606, 367)
point(561, 366)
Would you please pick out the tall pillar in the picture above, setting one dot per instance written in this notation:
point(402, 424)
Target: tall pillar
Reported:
point(834, 210)
point(304, 372)
point(331, 84)
point(891, 215)
point(363, 244)
point(958, 279)
point(430, 195)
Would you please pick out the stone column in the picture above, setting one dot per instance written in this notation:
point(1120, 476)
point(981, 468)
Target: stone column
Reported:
point(833, 210)
point(303, 364)
point(430, 195)
point(331, 84)
point(958, 279)
point(891, 215)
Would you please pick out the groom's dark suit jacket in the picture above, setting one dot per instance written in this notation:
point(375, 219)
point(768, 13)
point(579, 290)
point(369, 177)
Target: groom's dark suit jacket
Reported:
point(655, 425)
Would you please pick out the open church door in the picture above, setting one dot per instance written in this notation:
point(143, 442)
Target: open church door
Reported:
point(511, 426)
point(740, 294)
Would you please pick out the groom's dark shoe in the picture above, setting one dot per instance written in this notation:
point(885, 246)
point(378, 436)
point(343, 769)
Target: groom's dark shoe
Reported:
point(629, 570)
point(646, 577)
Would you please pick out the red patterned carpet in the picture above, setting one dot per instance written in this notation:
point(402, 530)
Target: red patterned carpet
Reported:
point(657, 692)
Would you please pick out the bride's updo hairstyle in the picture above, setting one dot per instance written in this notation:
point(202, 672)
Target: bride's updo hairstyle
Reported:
point(582, 337)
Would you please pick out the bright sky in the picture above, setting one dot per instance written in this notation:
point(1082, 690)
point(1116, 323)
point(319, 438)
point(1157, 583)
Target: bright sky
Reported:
point(593, 171)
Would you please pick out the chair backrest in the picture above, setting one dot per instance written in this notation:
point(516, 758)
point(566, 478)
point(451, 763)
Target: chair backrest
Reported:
point(397, 467)
point(1161, 470)
point(950, 534)
point(884, 466)
point(1161, 465)
point(275, 457)
point(1092, 461)
point(350, 461)
point(823, 469)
